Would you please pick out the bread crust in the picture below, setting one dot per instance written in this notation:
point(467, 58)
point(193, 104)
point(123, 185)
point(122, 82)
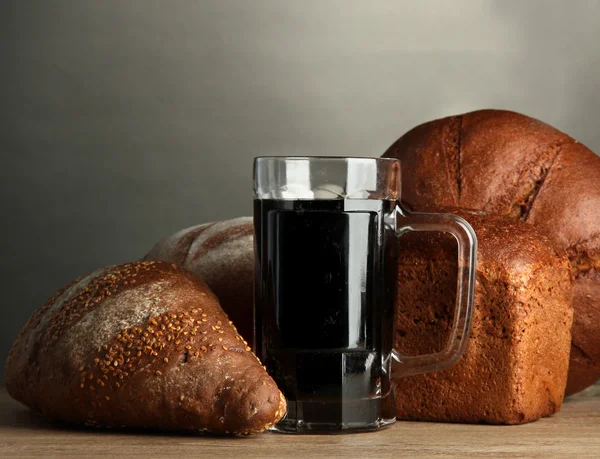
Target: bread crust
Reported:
point(141, 345)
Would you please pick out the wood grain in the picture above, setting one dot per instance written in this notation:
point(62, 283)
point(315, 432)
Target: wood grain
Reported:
point(574, 432)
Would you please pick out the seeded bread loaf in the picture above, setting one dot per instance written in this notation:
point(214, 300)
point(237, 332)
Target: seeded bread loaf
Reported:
point(514, 165)
point(515, 367)
point(221, 254)
point(141, 345)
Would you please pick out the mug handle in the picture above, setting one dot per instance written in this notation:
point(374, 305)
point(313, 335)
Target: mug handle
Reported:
point(467, 258)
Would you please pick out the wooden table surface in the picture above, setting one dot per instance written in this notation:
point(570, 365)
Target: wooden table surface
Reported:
point(574, 432)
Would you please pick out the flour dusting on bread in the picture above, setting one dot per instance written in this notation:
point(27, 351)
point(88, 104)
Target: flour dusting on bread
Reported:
point(115, 314)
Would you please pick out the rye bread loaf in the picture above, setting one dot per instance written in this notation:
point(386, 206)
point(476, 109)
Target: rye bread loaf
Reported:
point(220, 253)
point(141, 345)
point(515, 367)
point(514, 165)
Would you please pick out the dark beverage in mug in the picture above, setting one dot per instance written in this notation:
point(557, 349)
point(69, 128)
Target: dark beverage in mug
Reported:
point(326, 296)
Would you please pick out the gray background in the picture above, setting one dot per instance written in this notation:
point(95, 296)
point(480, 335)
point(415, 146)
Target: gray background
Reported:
point(123, 121)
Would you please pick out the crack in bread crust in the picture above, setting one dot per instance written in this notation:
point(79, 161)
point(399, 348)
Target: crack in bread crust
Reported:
point(582, 352)
point(223, 237)
point(451, 144)
point(538, 184)
point(191, 237)
point(585, 263)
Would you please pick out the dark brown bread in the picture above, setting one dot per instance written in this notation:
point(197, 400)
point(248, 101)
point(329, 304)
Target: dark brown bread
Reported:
point(515, 367)
point(141, 345)
point(221, 254)
point(513, 165)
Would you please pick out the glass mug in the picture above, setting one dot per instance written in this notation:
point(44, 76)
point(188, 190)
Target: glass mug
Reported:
point(326, 236)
